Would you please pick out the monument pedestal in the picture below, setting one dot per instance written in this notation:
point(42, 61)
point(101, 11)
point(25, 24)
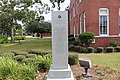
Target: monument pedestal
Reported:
point(60, 74)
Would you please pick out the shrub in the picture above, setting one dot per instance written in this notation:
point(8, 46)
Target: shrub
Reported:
point(99, 50)
point(28, 72)
point(3, 40)
point(7, 54)
point(100, 72)
point(48, 55)
point(38, 52)
point(44, 63)
point(114, 43)
point(28, 60)
point(19, 57)
point(77, 48)
point(70, 35)
point(19, 37)
point(83, 50)
point(12, 70)
point(90, 49)
point(86, 38)
point(69, 42)
point(71, 47)
point(72, 59)
point(71, 39)
point(75, 43)
point(20, 52)
point(117, 49)
point(31, 56)
point(109, 49)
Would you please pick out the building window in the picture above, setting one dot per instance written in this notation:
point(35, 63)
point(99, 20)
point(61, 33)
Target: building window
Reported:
point(84, 22)
point(104, 21)
point(80, 23)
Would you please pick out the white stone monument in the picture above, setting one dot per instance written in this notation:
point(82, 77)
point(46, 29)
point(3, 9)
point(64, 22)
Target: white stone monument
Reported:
point(60, 70)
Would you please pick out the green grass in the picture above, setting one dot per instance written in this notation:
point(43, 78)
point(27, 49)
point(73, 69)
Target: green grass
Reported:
point(107, 60)
point(111, 60)
point(28, 44)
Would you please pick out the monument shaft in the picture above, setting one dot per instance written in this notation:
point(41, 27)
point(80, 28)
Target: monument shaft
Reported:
point(60, 70)
point(60, 39)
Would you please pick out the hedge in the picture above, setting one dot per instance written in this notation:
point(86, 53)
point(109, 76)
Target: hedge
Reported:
point(109, 49)
point(117, 49)
point(99, 50)
point(19, 57)
point(83, 50)
point(73, 59)
point(3, 40)
point(38, 52)
point(71, 47)
point(19, 37)
point(77, 48)
point(90, 50)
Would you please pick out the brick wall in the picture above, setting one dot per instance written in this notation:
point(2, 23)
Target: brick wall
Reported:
point(91, 7)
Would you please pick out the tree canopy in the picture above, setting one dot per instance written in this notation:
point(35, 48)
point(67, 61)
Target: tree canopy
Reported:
point(12, 11)
point(58, 3)
point(39, 27)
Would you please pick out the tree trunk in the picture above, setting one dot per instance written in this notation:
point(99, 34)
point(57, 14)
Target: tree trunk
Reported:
point(12, 34)
point(41, 35)
point(21, 32)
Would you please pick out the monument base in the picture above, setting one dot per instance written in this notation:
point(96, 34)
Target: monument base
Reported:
point(60, 74)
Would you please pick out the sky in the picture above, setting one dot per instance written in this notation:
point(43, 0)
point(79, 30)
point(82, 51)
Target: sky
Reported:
point(63, 6)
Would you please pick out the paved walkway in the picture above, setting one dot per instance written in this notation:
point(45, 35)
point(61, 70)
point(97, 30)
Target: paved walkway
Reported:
point(35, 37)
point(31, 37)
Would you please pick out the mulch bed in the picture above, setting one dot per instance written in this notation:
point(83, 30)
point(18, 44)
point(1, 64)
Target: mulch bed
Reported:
point(97, 72)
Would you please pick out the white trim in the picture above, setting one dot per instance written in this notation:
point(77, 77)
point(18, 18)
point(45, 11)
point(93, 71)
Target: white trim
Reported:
point(100, 9)
point(93, 41)
point(119, 11)
point(80, 1)
point(80, 24)
point(84, 21)
point(74, 30)
point(107, 14)
point(107, 36)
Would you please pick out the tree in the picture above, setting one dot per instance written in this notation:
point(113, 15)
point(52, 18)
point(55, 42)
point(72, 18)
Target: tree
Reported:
point(36, 27)
point(86, 38)
point(13, 10)
point(44, 27)
point(58, 3)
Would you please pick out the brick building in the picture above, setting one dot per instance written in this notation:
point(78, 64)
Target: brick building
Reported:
point(102, 17)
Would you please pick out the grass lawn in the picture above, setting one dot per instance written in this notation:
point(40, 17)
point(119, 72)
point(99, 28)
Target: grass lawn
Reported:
point(108, 60)
point(111, 60)
point(28, 44)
